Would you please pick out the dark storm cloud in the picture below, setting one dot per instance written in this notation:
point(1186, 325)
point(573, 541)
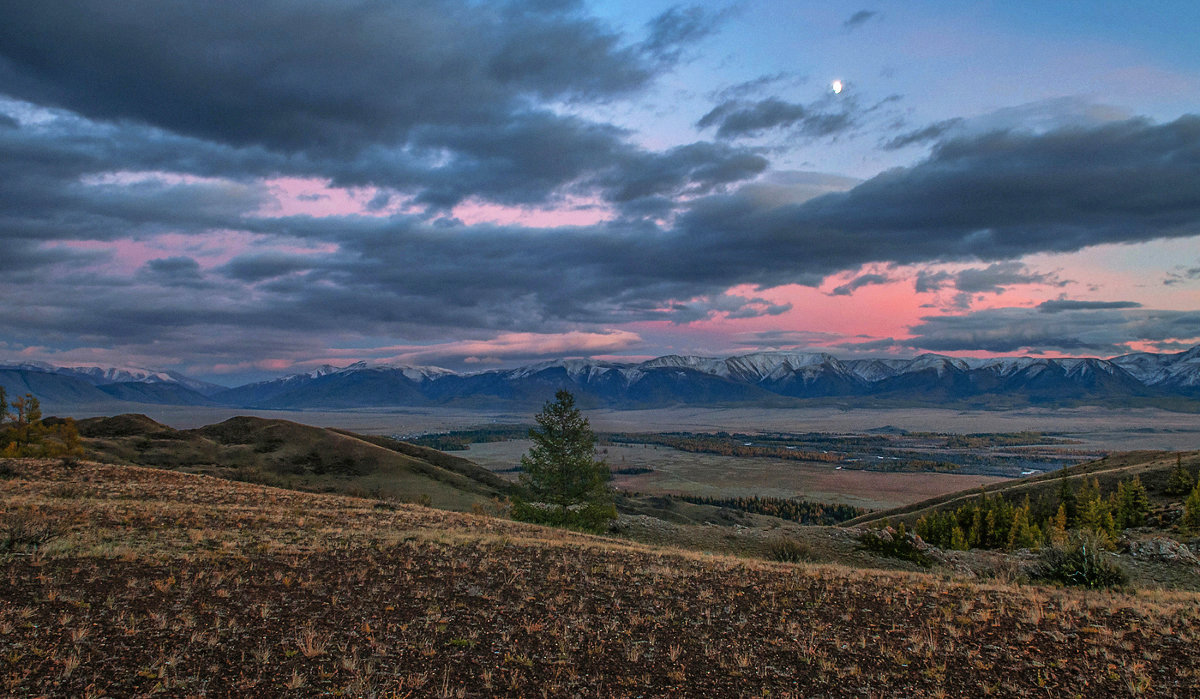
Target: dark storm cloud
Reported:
point(697, 168)
point(989, 197)
point(174, 266)
point(174, 271)
point(735, 118)
point(992, 279)
point(1060, 305)
point(859, 282)
point(300, 76)
point(926, 134)
point(1099, 330)
point(24, 261)
point(444, 116)
point(994, 197)
point(859, 18)
point(927, 281)
point(259, 267)
point(438, 99)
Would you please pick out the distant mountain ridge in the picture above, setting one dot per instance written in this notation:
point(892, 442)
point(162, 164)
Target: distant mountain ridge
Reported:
point(760, 378)
point(99, 376)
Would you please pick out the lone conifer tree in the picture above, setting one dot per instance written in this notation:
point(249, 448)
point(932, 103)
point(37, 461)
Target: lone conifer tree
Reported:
point(561, 470)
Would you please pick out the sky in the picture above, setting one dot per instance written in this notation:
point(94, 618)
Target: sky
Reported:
point(239, 191)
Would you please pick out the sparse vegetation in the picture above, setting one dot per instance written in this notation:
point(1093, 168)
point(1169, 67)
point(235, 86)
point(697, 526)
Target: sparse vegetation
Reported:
point(176, 584)
point(26, 530)
point(1081, 561)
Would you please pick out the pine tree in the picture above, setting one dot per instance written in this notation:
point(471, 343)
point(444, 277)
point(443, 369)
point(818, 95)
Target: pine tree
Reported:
point(560, 469)
point(1023, 534)
point(1056, 527)
point(958, 540)
point(1180, 482)
point(1191, 511)
point(1069, 501)
point(1132, 504)
point(1094, 513)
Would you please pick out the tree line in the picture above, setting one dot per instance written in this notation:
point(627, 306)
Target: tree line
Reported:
point(720, 445)
point(993, 522)
point(795, 510)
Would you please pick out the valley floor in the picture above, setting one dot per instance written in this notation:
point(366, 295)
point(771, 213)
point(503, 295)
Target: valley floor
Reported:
point(1109, 429)
point(152, 581)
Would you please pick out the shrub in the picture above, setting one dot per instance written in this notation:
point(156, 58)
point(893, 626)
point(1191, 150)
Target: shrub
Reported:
point(593, 517)
point(787, 550)
point(24, 530)
point(1081, 562)
point(895, 544)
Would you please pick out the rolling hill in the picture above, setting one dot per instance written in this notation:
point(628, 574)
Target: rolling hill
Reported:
point(278, 452)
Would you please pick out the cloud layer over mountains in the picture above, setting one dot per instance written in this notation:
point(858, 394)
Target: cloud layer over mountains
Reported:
point(142, 148)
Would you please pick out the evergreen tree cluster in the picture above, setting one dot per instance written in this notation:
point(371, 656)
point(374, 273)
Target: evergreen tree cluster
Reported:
point(24, 433)
point(1183, 482)
point(795, 510)
point(992, 522)
point(461, 440)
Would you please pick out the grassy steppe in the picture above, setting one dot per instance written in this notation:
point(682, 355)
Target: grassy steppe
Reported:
point(182, 584)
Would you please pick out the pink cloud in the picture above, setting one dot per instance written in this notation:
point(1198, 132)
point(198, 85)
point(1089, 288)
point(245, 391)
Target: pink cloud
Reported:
point(316, 197)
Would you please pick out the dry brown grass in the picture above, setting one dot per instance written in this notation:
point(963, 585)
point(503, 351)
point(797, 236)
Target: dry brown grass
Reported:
point(162, 582)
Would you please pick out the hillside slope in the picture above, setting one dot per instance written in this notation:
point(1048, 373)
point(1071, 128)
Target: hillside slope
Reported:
point(279, 452)
point(1152, 467)
point(153, 581)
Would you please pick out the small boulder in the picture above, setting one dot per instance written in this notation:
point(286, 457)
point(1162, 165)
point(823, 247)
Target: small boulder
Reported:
point(1162, 549)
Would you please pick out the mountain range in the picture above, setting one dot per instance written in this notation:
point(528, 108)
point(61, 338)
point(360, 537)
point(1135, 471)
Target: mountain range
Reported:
point(762, 378)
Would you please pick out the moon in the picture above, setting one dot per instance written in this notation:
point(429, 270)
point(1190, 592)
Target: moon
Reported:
point(836, 86)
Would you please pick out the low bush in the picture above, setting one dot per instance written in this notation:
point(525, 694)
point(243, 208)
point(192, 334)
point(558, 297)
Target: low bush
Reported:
point(22, 531)
point(1082, 562)
point(787, 550)
point(895, 543)
point(593, 518)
